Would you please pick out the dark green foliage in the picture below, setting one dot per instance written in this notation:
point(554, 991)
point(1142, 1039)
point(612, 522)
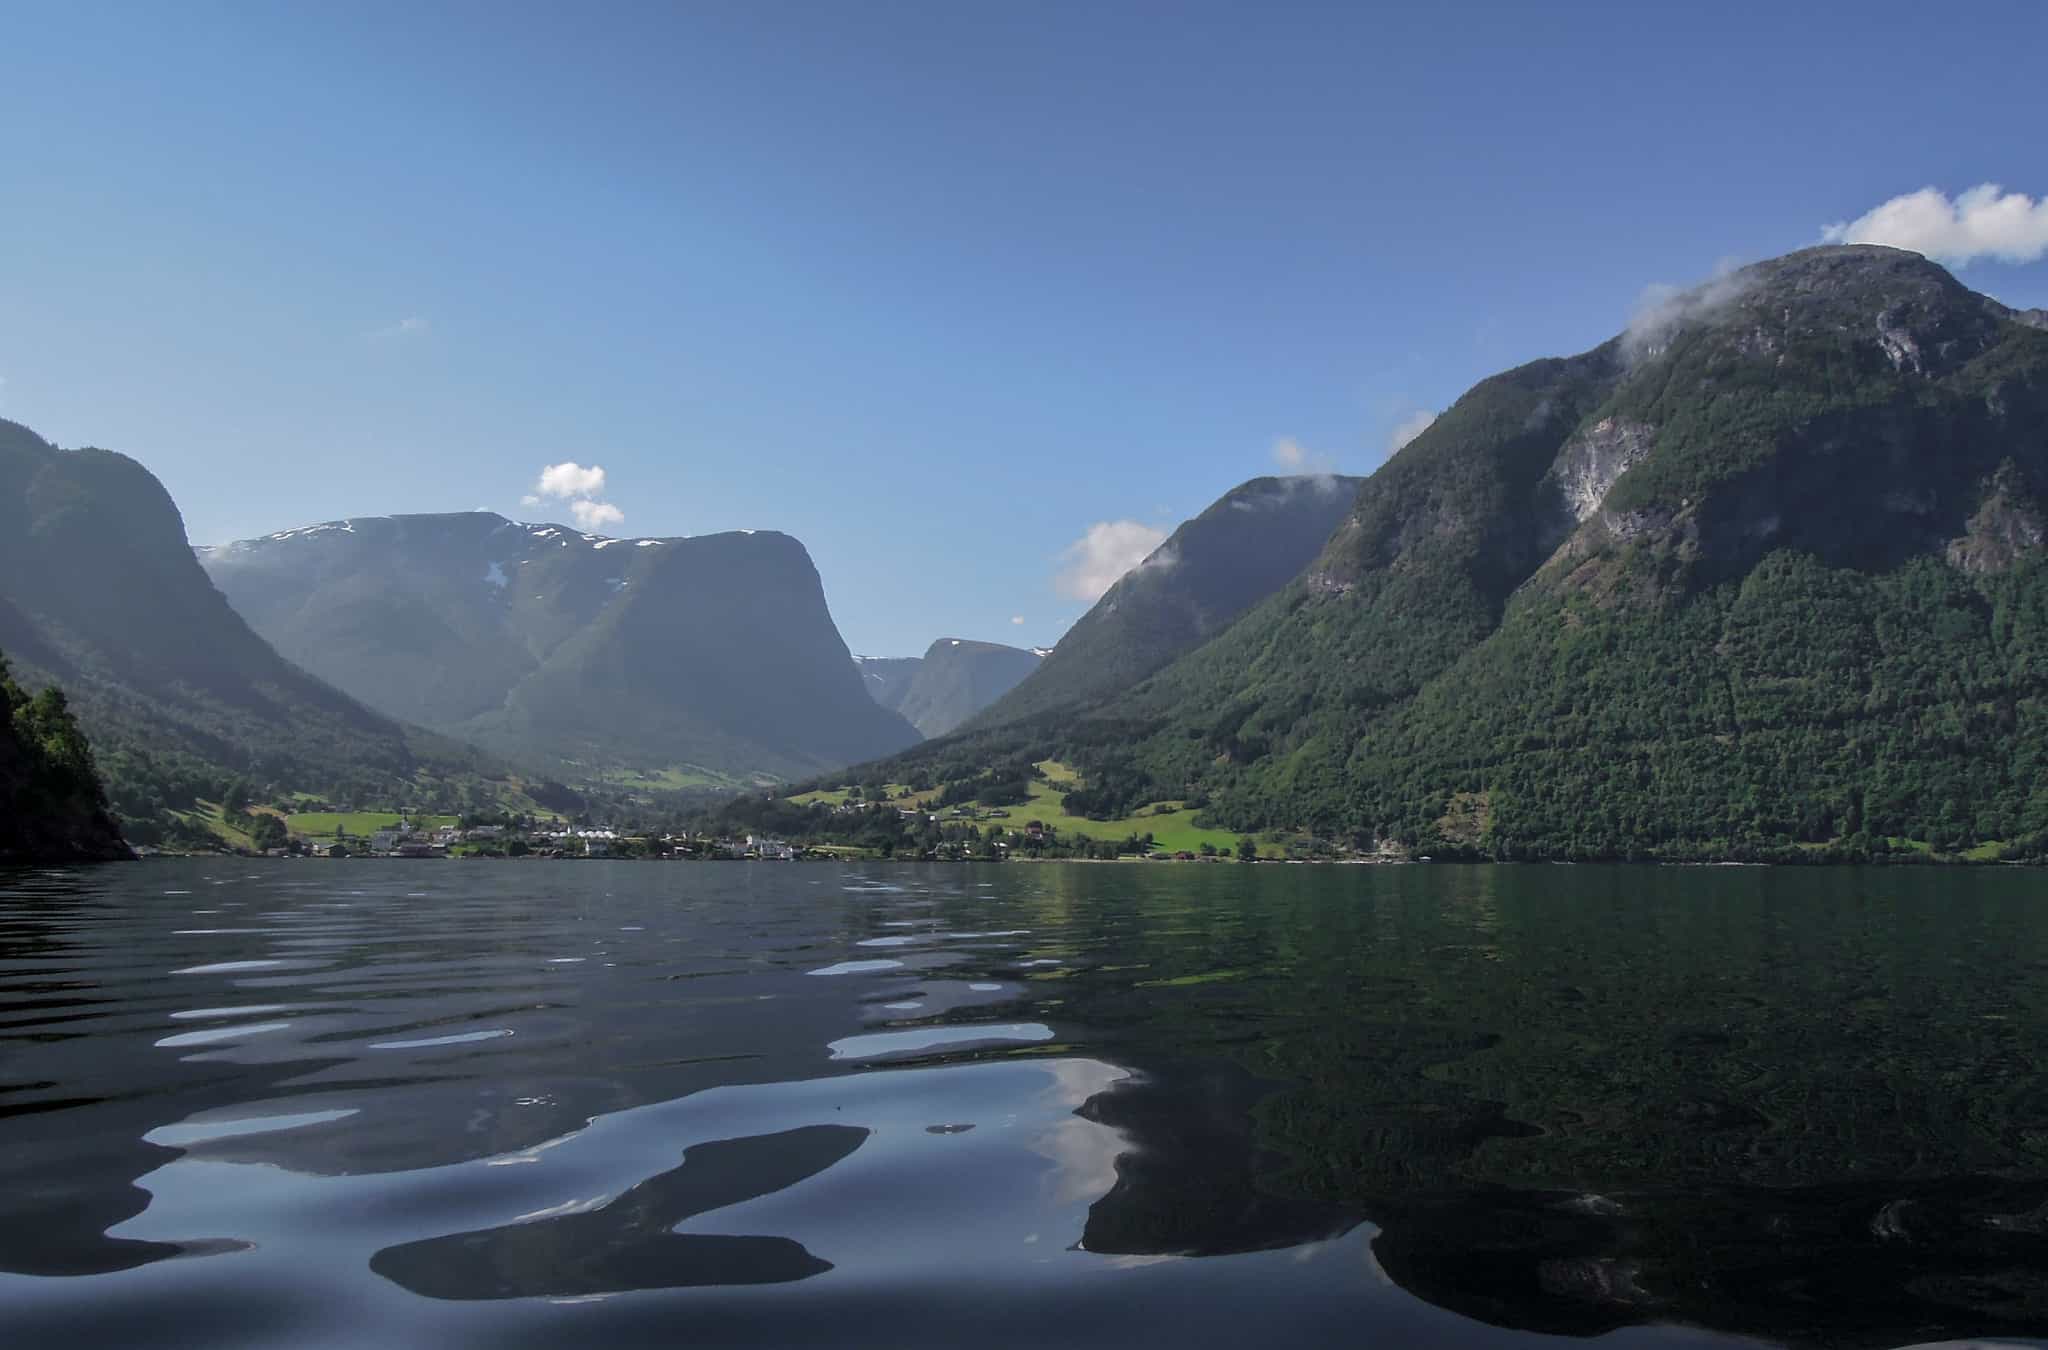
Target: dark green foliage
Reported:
point(558, 797)
point(1005, 792)
point(1246, 545)
point(1804, 706)
point(1763, 579)
point(266, 830)
point(52, 808)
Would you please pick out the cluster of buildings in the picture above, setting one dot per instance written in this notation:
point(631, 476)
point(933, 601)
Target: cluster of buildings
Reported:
point(405, 840)
point(558, 839)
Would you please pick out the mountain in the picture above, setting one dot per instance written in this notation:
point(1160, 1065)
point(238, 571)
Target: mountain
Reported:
point(888, 678)
point(954, 679)
point(52, 807)
point(704, 659)
point(1762, 576)
point(1250, 542)
point(100, 593)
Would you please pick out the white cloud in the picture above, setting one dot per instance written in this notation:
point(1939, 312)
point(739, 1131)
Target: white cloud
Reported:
point(595, 516)
point(1408, 428)
point(1109, 549)
point(410, 326)
point(570, 479)
point(1662, 308)
point(1984, 222)
point(1017, 618)
point(580, 486)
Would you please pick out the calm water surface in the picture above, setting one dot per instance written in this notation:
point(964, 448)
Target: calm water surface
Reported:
point(452, 1104)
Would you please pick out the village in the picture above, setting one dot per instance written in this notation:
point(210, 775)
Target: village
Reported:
point(409, 836)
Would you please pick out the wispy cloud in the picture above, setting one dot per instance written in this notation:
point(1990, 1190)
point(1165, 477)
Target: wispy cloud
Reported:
point(1110, 548)
point(1292, 457)
point(1017, 618)
point(1662, 308)
point(1408, 428)
point(582, 487)
point(1984, 222)
point(410, 326)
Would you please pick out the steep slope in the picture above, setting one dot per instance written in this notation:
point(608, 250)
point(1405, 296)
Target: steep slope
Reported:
point(1812, 610)
point(1763, 576)
point(1250, 542)
point(708, 657)
point(99, 593)
point(888, 678)
point(955, 679)
point(52, 807)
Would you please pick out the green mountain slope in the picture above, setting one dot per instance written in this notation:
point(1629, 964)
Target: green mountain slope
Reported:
point(714, 656)
point(1246, 545)
point(99, 593)
point(955, 679)
point(1763, 574)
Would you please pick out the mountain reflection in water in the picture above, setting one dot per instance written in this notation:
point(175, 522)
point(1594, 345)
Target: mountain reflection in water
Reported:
point(446, 1104)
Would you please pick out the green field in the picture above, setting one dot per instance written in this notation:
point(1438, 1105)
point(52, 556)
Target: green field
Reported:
point(1172, 829)
point(209, 817)
point(358, 824)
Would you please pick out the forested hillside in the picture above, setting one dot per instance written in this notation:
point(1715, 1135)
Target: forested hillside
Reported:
point(100, 594)
point(1763, 574)
point(1248, 543)
point(52, 808)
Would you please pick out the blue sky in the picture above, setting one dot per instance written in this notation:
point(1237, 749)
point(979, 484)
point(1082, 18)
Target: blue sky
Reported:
point(935, 288)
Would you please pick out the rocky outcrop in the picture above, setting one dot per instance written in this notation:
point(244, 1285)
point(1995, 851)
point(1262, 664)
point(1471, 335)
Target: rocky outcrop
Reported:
point(2006, 528)
point(1593, 460)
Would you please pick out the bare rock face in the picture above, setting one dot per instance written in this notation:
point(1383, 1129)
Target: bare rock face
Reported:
point(1592, 460)
point(1847, 402)
point(2007, 526)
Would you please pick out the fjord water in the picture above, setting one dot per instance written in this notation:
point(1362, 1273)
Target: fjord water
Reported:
point(391, 1104)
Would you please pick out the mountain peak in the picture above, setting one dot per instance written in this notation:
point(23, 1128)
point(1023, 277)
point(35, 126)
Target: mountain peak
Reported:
point(954, 679)
point(542, 639)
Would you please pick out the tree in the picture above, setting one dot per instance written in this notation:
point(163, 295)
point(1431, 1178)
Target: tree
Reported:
point(1247, 849)
point(267, 831)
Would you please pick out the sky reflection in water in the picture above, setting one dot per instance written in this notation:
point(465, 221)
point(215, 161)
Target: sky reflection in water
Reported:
point(536, 1105)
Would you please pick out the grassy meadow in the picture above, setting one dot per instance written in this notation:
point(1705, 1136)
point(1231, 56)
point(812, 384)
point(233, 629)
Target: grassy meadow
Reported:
point(358, 824)
point(1170, 823)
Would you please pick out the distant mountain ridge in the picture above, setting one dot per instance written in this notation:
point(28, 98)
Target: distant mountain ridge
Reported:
point(954, 679)
point(711, 656)
point(1247, 544)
